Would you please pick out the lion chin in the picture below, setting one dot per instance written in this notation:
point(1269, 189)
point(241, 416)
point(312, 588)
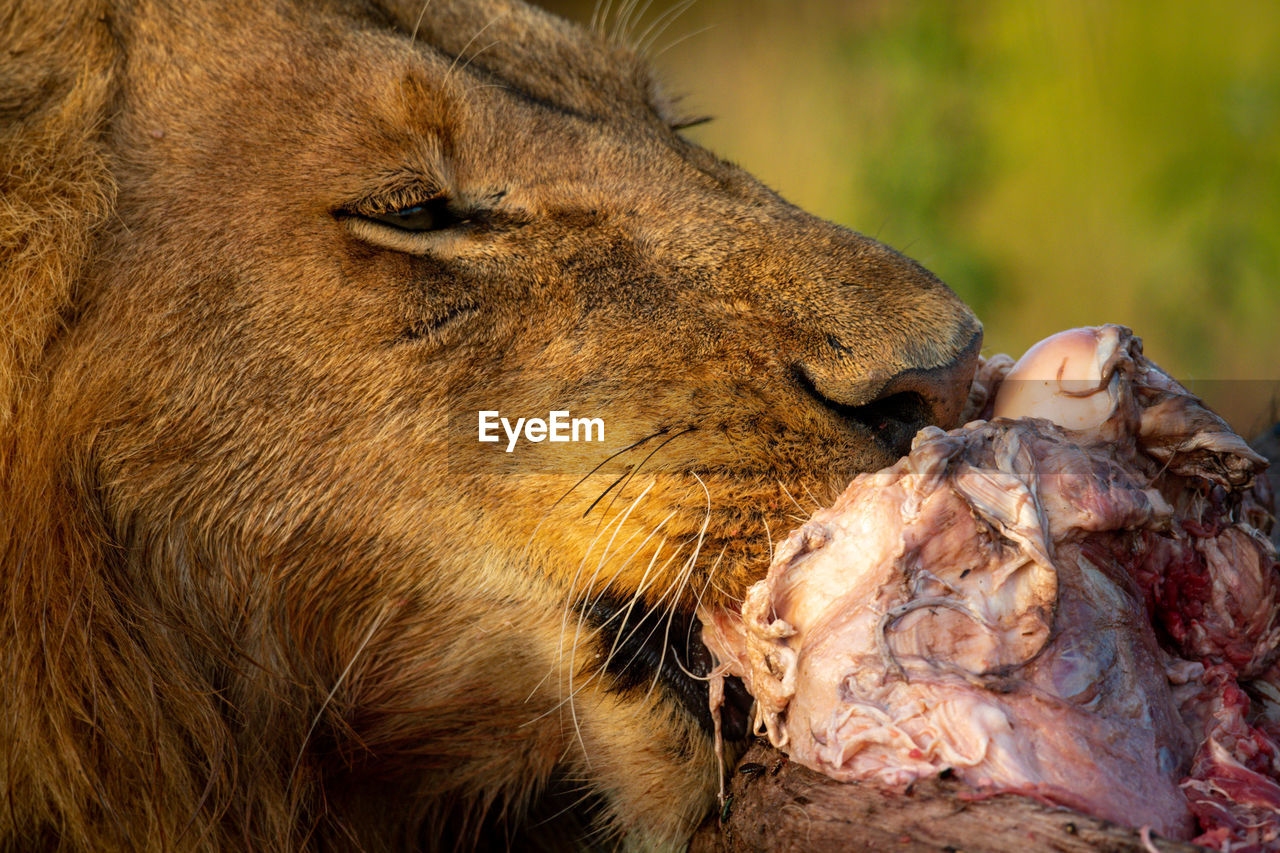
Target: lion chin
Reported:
point(264, 264)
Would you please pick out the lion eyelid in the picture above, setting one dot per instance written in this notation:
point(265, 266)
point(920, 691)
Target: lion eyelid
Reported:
point(400, 240)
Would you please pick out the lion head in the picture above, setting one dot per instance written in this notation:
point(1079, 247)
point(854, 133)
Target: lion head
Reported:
point(266, 264)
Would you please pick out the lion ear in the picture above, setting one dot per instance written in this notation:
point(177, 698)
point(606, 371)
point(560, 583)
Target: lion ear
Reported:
point(56, 84)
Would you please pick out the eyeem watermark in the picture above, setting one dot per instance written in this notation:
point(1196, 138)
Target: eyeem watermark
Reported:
point(557, 427)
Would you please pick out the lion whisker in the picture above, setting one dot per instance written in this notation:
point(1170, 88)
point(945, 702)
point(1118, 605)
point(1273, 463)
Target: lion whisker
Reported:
point(470, 42)
point(547, 514)
point(645, 40)
point(627, 476)
point(693, 559)
point(638, 596)
point(610, 458)
point(600, 21)
point(787, 492)
point(413, 36)
point(636, 470)
point(588, 791)
point(768, 536)
point(817, 504)
point(632, 556)
point(609, 553)
point(579, 594)
point(472, 58)
point(351, 662)
point(711, 573)
point(585, 684)
point(648, 568)
point(573, 714)
point(674, 589)
point(625, 615)
point(600, 496)
point(604, 556)
point(620, 18)
point(569, 598)
point(677, 587)
point(724, 593)
point(577, 633)
point(683, 39)
point(620, 638)
point(698, 598)
point(636, 18)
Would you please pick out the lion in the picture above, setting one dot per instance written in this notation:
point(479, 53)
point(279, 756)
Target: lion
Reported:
point(265, 263)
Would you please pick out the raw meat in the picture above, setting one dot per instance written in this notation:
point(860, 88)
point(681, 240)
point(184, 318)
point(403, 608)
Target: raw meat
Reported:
point(1071, 597)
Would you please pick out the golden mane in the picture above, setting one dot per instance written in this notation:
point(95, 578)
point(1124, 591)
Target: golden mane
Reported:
point(56, 88)
point(88, 726)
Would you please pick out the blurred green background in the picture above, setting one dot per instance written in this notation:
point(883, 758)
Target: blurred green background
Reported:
point(1058, 163)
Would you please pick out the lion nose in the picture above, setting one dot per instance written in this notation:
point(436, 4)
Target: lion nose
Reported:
point(895, 406)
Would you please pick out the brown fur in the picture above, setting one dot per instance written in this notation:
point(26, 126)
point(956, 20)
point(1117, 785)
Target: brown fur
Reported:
point(262, 587)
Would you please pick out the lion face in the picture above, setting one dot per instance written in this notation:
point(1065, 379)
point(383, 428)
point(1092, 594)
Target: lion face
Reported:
point(340, 233)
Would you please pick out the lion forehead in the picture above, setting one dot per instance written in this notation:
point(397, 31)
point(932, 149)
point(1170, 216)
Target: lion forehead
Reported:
point(534, 54)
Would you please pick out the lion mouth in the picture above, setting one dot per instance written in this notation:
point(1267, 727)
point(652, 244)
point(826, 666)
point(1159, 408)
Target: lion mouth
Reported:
point(890, 421)
point(645, 647)
point(642, 645)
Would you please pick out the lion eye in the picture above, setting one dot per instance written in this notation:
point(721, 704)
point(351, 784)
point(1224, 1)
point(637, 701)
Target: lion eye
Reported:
point(431, 215)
